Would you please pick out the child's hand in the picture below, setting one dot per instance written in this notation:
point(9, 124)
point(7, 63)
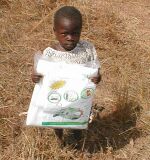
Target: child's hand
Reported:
point(96, 79)
point(36, 77)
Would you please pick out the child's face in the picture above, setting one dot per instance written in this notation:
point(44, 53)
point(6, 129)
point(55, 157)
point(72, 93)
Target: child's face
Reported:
point(68, 33)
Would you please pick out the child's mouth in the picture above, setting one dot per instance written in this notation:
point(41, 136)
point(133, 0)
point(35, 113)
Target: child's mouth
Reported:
point(70, 45)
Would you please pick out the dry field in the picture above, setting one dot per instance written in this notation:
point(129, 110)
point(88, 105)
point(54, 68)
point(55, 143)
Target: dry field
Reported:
point(120, 30)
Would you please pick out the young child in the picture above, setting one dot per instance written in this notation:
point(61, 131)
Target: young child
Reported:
point(70, 49)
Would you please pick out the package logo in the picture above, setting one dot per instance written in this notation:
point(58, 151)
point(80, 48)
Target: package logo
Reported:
point(87, 92)
point(54, 97)
point(58, 84)
point(70, 96)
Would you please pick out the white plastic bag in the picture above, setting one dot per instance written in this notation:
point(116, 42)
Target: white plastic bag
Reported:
point(63, 99)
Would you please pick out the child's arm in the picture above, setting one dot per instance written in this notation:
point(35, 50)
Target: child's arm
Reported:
point(92, 50)
point(96, 79)
point(36, 76)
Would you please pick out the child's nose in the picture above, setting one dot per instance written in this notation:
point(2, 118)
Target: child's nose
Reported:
point(70, 37)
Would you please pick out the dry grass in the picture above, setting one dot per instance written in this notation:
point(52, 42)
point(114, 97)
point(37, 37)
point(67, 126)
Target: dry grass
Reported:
point(120, 32)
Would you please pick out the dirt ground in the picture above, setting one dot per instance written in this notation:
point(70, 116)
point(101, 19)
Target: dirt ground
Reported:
point(120, 30)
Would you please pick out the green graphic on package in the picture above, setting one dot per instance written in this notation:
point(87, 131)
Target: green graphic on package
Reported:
point(69, 95)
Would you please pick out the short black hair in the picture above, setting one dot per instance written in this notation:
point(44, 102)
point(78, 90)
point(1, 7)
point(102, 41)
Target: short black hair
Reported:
point(68, 12)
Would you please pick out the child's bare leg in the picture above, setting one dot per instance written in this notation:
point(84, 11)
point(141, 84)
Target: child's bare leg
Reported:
point(59, 133)
point(77, 134)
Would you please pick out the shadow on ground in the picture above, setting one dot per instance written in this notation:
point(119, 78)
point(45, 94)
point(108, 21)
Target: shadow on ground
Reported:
point(111, 132)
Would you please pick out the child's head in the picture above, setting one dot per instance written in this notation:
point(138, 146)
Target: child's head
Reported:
point(67, 26)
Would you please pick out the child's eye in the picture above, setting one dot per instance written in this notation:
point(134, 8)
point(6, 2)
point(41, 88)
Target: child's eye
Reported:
point(64, 34)
point(76, 33)
point(73, 34)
